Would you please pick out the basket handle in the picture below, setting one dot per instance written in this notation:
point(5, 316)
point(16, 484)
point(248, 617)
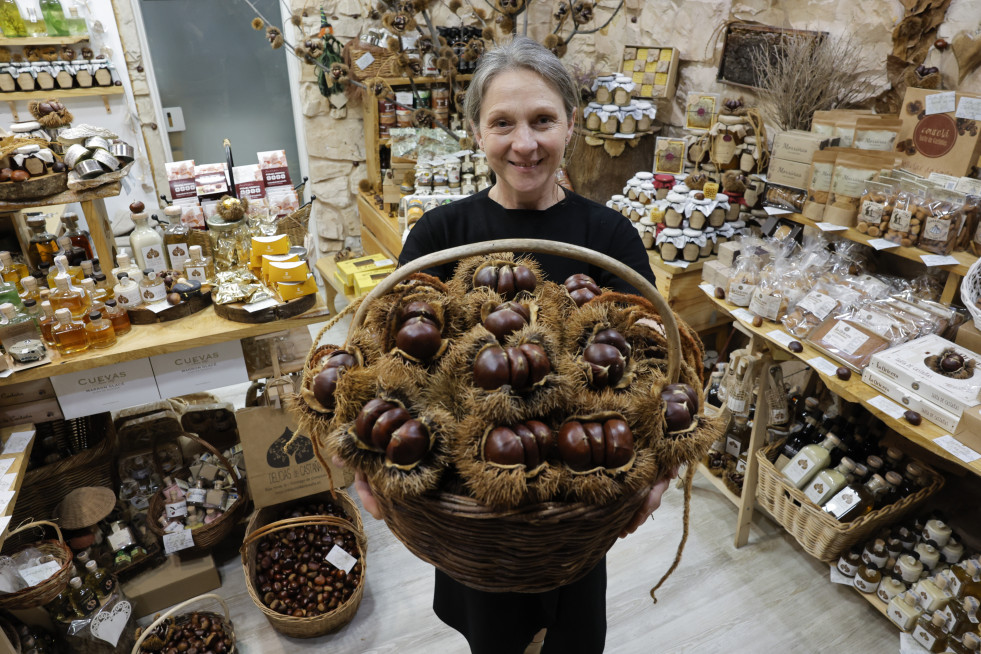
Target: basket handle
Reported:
point(323, 330)
point(286, 523)
point(539, 246)
point(221, 458)
point(174, 609)
point(38, 523)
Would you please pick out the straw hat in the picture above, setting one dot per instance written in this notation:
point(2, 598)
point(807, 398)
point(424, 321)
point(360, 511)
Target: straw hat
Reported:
point(83, 507)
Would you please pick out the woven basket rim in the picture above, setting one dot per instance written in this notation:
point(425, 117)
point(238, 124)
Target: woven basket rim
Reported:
point(81, 459)
point(226, 619)
point(42, 593)
point(971, 292)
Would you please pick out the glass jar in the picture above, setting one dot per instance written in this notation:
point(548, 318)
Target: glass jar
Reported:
point(694, 240)
point(624, 86)
point(670, 243)
point(663, 183)
point(674, 212)
point(615, 202)
point(424, 176)
point(602, 87)
point(646, 115)
point(628, 121)
point(706, 249)
point(467, 186)
point(637, 211)
point(632, 189)
point(610, 117)
point(480, 166)
point(591, 117)
point(648, 232)
point(231, 243)
point(452, 166)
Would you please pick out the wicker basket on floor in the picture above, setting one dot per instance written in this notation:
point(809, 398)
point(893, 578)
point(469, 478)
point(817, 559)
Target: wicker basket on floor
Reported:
point(817, 531)
point(223, 619)
point(44, 592)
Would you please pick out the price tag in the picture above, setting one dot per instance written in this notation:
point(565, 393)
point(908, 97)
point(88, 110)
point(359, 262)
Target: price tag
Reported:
point(18, 442)
point(969, 108)
point(931, 260)
point(259, 306)
point(887, 406)
point(708, 288)
point(178, 540)
point(35, 575)
point(681, 263)
point(838, 578)
point(776, 211)
point(5, 499)
point(5, 465)
point(941, 103)
point(7, 481)
point(365, 60)
point(830, 227)
point(743, 315)
point(882, 244)
point(341, 559)
point(822, 365)
point(4, 523)
point(177, 509)
point(957, 448)
point(782, 337)
point(172, 527)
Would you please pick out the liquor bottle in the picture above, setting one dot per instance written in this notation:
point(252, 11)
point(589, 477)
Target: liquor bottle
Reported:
point(912, 479)
point(210, 515)
point(76, 24)
point(199, 267)
point(127, 292)
point(100, 332)
point(970, 643)
point(54, 17)
point(11, 23)
point(79, 237)
point(903, 611)
point(83, 598)
point(893, 459)
point(12, 271)
point(70, 251)
point(931, 593)
point(101, 281)
point(909, 568)
point(61, 267)
point(196, 495)
point(804, 436)
point(929, 632)
point(890, 586)
point(94, 293)
point(152, 288)
point(938, 531)
point(60, 608)
point(874, 464)
point(952, 552)
point(42, 246)
point(46, 321)
point(15, 326)
point(34, 23)
point(809, 461)
point(69, 336)
point(147, 244)
point(849, 562)
point(894, 481)
point(176, 239)
point(29, 289)
point(118, 317)
point(962, 616)
point(99, 579)
point(829, 481)
point(127, 266)
point(64, 297)
point(967, 579)
point(33, 311)
point(172, 492)
point(712, 396)
point(867, 578)
point(853, 501)
point(737, 436)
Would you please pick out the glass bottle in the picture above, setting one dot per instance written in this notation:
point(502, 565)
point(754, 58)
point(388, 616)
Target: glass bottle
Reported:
point(849, 562)
point(895, 480)
point(32, 311)
point(34, 23)
point(152, 288)
point(147, 244)
point(967, 579)
point(874, 464)
point(199, 267)
point(210, 515)
point(802, 437)
point(962, 616)
point(127, 292)
point(54, 17)
point(83, 598)
point(875, 552)
point(829, 481)
point(938, 531)
point(196, 495)
point(99, 579)
point(79, 237)
point(903, 611)
point(11, 23)
point(118, 317)
point(100, 332)
point(809, 461)
point(176, 239)
point(867, 578)
point(712, 397)
point(29, 289)
point(890, 586)
point(127, 266)
point(76, 24)
point(42, 246)
point(64, 297)
point(854, 501)
point(172, 492)
point(929, 554)
point(94, 293)
point(70, 337)
point(737, 437)
point(929, 632)
point(70, 251)
point(970, 643)
point(61, 268)
point(60, 608)
point(15, 326)
point(912, 480)
point(953, 551)
point(12, 271)
point(909, 567)
point(893, 459)
point(47, 321)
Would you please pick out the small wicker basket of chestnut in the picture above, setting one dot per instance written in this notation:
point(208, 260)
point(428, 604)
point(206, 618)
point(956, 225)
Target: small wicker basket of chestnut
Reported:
point(198, 632)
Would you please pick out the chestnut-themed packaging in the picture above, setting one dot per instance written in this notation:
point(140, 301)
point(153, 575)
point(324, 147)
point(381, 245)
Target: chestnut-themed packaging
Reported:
point(939, 132)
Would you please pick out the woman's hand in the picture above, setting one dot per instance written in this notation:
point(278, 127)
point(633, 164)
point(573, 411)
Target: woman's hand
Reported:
point(650, 505)
point(367, 498)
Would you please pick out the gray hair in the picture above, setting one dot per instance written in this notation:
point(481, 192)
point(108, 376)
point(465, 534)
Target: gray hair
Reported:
point(520, 53)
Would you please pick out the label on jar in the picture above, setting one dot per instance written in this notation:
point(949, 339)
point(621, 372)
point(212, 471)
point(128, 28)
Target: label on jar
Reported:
point(900, 220)
point(121, 539)
point(196, 495)
point(176, 509)
point(107, 585)
point(196, 273)
point(936, 228)
point(139, 502)
point(863, 585)
point(846, 567)
point(178, 255)
point(882, 594)
point(733, 446)
point(816, 490)
point(154, 293)
point(871, 212)
point(765, 304)
point(740, 294)
point(129, 298)
point(842, 502)
point(845, 338)
point(153, 256)
point(818, 304)
point(736, 404)
point(923, 637)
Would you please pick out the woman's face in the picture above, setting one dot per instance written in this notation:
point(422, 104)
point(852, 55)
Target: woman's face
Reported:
point(523, 130)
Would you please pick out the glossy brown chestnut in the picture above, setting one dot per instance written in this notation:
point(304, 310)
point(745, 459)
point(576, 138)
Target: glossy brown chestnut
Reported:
point(952, 363)
point(676, 416)
point(606, 363)
point(325, 384)
point(369, 415)
point(340, 359)
point(597, 443)
point(419, 338)
point(720, 292)
point(538, 363)
point(20, 176)
point(505, 282)
point(581, 296)
point(504, 323)
point(524, 279)
point(486, 276)
point(491, 368)
point(532, 455)
point(518, 363)
point(573, 445)
point(58, 167)
point(5, 174)
point(503, 447)
point(757, 321)
point(517, 307)
point(912, 417)
point(417, 309)
point(796, 346)
point(544, 437)
point(409, 443)
point(614, 338)
point(619, 443)
point(843, 373)
point(690, 396)
point(136, 207)
point(579, 280)
point(385, 426)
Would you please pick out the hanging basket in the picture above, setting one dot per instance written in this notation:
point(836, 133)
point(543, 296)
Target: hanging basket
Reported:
point(43, 593)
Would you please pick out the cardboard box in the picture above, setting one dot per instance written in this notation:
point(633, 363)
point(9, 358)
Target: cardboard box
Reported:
point(370, 263)
point(365, 281)
point(348, 288)
point(174, 581)
point(653, 70)
point(782, 196)
point(34, 412)
point(799, 146)
point(29, 391)
point(935, 414)
point(969, 336)
point(288, 271)
point(292, 290)
point(905, 366)
point(729, 252)
point(969, 429)
point(716, 273)
point(934, 143)
point(789, 173)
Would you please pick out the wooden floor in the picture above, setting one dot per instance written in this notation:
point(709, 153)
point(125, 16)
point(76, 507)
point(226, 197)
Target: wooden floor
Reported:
point(766, 598)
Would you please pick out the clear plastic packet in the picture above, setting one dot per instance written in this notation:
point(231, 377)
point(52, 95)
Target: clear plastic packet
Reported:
point(824, 299)
point(943, 222)
point(871, 287)
point(943, 316)
point(972, 221)
point(850, 258)
point(887, 321)
point(746, 275)
point(875, 208)
point(908, 215)
point(780, 285)
point(847, 340)
point(928, 285)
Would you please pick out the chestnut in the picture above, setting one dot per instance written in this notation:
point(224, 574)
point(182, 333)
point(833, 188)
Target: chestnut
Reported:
point(505, 282)
point(418, 309)
point(20, 176)
point(951, 362)
point(720, 292)
point(503, 447)
point(340, 359)
point(59, 167)
point(504, 323)
point(324, 385)
point(681, 393)
point(677, 417)
point(614, 338)
point(367, 418)
point(5, 174)
point(386, 424)
point(518, 364)
point(581, 296)
point(538, 364)
point(544, 437)
point(573, 445)
point(409, 443)
point(486, 276)
point(581, 281)
point(524, 279)
point(606, 364)
point(517, 307)
point(796, 347)
point(597, 443)
point(530, 445)
point(757, 321)
point(136, 207)
point(912, 417)
point(491, 368)
point(419, 338)
point(843, 373)
point(619, 443)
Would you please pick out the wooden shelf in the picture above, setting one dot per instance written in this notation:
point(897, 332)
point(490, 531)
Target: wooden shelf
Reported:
point(719, 484)
point(854, 390)
point(871, 598)
point(105, 191)
point(61, 94)
point(18, 468)
point(44, 40)
point(383, 226)
point(671, 266)
point(202, 328)
point(418, 81)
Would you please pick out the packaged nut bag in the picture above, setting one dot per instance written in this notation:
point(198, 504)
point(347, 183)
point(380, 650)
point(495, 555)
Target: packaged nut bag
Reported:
point(876, 208)
point(822, 167)
point(944, 221)
point(745, 278)
point(851, 173)
point(876, 132)
point(847, 340)
point(908, 214)
point(825, 298)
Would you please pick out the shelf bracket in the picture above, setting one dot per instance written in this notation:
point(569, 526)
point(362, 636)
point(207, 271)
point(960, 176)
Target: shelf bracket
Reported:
point(105, 101)
point(13, 110)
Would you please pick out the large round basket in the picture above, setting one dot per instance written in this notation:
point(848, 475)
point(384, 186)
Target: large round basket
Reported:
point(39, 595)
point(971, 292)
point(305, 627)
point(209, 535)
point(224, 620)
point(536, 547)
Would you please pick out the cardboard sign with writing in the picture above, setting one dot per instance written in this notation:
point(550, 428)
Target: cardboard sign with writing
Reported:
point(278, 473)
point(199, 369)
point(107, 388)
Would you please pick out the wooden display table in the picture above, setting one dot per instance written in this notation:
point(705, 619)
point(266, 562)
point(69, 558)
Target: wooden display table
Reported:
point(380, 233)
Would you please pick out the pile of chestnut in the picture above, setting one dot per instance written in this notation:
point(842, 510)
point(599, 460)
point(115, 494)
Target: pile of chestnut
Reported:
point(325, 381)
point(606, 357)
point(505, 319)
point(384, 426)
point(293, 576)
point(194, 633)
point(530, 443)
point(582, 288)
point(585, 445)
point(419, 334)
point(505, 279)
point(519, 367)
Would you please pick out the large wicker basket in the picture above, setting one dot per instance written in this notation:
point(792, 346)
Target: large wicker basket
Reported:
point(261, 525)
point(536, 547)
point(971, 292)
point(817, 531)
point(44, 592)
point(225, 620)
point(209, 535)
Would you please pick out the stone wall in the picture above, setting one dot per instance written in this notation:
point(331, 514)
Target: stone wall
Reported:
point(335, 137)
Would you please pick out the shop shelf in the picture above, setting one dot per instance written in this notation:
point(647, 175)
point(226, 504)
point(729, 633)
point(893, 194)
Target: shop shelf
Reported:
point(94, 91)
point(17, 468)
point(44, 40)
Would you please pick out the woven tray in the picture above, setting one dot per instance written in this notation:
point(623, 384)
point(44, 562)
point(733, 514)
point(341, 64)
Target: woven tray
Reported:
point(816, 530)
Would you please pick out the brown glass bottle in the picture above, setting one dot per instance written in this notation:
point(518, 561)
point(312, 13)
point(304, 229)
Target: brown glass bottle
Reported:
point(100, 332)
point(78, 237)
point(970, 643)
point(118, 317)
point(70, 337)
point(42, 246)
point(930, 634)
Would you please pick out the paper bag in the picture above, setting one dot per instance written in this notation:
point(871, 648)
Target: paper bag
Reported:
point(276, 475)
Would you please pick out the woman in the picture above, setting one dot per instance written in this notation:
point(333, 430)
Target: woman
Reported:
point(521, 107)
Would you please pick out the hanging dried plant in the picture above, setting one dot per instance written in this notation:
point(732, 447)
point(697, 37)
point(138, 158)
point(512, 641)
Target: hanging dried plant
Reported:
point(339, 71)
point(399, 23)
point(393, 45)
point(455, 5)
point(505, 24)
point(296, 20)
point(509, 7)
point(561, 11)
point(443, 65)
point(466, 143)
point(257, 24)
point(424, 44)
point(423, 117)
point(378, 87)
point(314, 47)
point(809, 74)
point(365, 186)
point(480, 13)
point(487, 34)
point(275, 37)
point(474, 50)
point(582, 13)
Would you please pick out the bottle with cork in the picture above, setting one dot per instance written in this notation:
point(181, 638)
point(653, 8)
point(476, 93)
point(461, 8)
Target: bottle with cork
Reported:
point(147, 243)
point(70, 337)
point(176, 238)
